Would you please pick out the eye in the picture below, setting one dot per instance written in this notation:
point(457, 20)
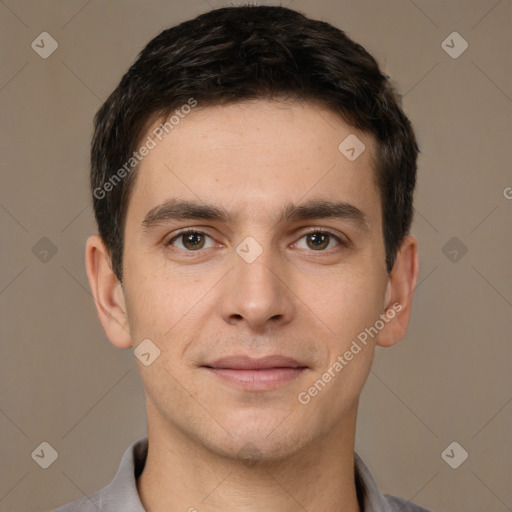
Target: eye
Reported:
point(191, 240)
point(320, 240)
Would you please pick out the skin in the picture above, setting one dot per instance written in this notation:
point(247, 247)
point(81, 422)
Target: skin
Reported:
point(295, 299)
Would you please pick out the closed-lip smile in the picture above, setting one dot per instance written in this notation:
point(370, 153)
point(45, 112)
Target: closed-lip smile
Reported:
point(256, 374)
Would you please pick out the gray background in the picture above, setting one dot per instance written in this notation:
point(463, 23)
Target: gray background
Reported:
point(448, 380)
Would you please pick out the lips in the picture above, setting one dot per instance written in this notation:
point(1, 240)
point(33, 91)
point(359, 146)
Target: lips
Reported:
point(249, 363)
point(256, 374)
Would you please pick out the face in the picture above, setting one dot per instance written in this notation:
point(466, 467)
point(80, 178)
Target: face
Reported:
point(281, 269)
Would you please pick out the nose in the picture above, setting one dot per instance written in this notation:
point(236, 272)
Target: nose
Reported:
point(258, 293)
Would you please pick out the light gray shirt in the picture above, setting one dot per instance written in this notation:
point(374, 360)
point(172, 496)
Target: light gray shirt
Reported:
point(121, 494)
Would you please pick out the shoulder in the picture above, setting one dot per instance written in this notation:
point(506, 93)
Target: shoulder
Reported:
point(400, 505)
point(121, 492)
point(85, 504)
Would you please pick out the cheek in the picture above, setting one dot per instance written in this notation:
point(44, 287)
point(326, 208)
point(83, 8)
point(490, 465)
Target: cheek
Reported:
point(346, 302)
point(153, 305)
point(351, 304)
point(162, 304)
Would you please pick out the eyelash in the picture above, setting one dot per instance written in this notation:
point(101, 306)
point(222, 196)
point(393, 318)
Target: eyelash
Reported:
point(187, 231)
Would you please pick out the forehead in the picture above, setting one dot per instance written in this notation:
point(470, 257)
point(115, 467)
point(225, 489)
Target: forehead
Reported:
point(254, 157)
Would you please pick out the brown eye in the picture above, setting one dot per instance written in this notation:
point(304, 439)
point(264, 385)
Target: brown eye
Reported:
point(190, 240)
point(320, 241)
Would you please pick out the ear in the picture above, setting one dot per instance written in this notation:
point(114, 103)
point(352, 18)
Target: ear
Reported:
point(107, 292)
point(399, 293)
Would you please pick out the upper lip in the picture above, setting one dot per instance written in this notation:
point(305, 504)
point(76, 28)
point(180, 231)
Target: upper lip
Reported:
point(249, 363)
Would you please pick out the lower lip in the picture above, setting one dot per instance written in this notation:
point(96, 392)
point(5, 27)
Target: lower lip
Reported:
point(268, 378)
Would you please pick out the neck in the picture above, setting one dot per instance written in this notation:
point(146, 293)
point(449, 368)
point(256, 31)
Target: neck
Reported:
point(182, 475)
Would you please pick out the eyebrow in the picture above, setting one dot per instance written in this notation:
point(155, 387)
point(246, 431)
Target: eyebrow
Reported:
point(181, 209)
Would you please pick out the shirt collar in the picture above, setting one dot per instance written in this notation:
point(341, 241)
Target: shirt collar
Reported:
point(122, 490)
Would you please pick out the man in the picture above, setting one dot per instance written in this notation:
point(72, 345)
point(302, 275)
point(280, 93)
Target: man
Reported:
point(252, 180)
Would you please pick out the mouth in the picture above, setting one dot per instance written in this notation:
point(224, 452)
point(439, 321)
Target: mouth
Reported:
point(256, 373)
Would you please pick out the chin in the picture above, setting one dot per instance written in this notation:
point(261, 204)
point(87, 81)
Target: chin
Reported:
point(266, 438)
point(251, 448)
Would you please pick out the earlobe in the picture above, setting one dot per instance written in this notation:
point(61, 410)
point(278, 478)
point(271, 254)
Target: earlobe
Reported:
point(107, 292)
point(399, 293)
